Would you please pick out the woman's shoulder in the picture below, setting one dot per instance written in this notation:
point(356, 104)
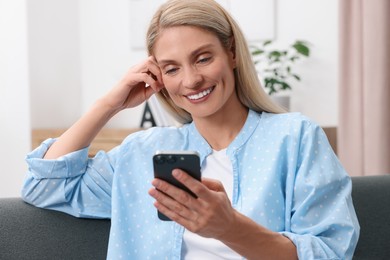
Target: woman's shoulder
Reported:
point(288, 123)
point(289, 118)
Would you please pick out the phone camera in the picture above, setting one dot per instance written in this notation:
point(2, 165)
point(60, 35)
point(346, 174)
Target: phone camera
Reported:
point(171, 159)
point(160, 159)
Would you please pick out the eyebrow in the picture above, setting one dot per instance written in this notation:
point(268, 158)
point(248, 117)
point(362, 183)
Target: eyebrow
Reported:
point(192, 54)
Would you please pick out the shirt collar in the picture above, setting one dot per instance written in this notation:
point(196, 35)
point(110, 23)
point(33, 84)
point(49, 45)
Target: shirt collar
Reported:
point(251, 123)
point(198, 143)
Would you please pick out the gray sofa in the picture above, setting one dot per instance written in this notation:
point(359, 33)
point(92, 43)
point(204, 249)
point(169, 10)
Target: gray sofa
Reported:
point(30, 233)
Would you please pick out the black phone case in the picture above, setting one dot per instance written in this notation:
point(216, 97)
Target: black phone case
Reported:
point(164, 163)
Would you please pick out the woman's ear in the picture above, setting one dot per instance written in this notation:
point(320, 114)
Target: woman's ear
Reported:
point(232, 51)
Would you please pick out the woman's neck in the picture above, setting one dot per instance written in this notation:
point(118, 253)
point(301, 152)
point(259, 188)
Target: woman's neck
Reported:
point(220, 130)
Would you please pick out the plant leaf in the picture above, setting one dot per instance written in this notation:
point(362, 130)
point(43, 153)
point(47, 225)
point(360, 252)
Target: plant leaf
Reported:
point(301, 48)
point(257, 52)
point(285, 85)
point(267, 42)
point(294, 58)
point(275, 54)
point(296, 77)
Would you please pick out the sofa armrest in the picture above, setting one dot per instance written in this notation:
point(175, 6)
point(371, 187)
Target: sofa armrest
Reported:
point(371, 198)
point(27, 232)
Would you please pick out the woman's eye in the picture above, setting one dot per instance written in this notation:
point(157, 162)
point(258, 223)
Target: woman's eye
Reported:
point(170, 70)
point(204, 60)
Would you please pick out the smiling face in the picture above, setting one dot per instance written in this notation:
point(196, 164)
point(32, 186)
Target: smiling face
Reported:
point(197, 71)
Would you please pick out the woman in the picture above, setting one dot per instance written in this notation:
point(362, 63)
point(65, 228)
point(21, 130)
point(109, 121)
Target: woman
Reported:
point(272, 188)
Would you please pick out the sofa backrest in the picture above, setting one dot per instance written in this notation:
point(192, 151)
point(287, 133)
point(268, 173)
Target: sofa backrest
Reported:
point(27, 232)
point(371, 198)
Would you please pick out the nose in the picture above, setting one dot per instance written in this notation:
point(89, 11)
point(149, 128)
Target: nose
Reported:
point(191, 78)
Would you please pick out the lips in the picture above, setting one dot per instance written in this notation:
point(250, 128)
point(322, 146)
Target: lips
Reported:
point(201, 94)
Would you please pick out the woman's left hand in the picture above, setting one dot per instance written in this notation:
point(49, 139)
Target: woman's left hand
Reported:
point(211, 215)
point(208, 215)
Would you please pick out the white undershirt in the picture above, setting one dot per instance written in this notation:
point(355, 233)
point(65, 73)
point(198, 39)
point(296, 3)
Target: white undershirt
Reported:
point(217, 166)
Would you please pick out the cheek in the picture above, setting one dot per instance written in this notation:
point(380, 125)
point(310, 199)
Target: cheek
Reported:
point(170, 85)
point(173, 89)
point(223, 71)
point(226, 77)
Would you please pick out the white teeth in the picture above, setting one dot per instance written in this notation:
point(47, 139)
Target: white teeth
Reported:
point(200, 94)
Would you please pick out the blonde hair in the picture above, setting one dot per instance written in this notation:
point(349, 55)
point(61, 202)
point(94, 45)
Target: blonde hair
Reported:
point(209, 15)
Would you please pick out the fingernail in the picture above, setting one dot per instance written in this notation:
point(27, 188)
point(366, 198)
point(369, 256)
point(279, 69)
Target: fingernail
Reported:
point(155, 182)
point(176, 173)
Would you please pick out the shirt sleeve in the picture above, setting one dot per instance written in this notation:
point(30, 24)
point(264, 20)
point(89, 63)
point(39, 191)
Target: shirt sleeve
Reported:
point(323, 222)
point(73, 183)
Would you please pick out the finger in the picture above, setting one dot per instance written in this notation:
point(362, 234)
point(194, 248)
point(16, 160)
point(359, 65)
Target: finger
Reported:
point(168, 205)
point(149, 81)
point(151, 68)
point(173, 192)
point(178, 218)
point(191, 183)
point(155, 69)
point(180, 214)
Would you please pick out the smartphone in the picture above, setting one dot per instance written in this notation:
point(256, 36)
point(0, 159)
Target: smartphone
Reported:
point(164, 162)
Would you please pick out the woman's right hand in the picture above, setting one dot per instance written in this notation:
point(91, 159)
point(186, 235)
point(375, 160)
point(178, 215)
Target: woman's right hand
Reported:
point(138, 84)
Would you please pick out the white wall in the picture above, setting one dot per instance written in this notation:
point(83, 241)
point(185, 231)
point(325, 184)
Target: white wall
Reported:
point(54, 62)
point(14, 96)
point(317, 22)
point(106, 52)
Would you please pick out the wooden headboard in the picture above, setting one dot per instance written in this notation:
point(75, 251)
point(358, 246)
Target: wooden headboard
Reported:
point(105, 140)
point(109, 138)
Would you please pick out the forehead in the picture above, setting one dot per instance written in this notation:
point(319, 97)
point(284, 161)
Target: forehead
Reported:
point(181, 40)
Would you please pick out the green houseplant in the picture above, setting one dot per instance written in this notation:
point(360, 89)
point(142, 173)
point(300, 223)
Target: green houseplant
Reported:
point(275, 65)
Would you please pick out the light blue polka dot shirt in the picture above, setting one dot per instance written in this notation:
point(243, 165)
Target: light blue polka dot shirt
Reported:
point(285, 177)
